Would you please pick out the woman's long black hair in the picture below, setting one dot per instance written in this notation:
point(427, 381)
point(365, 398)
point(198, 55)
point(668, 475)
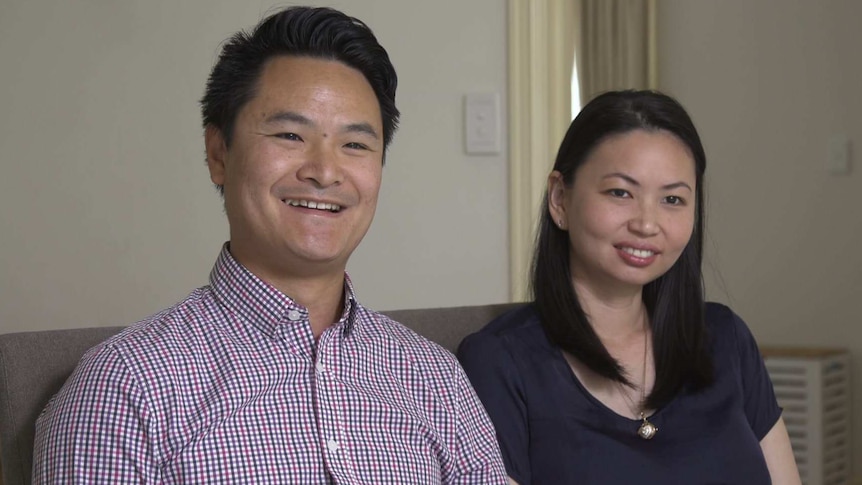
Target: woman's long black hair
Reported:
point(674, 301)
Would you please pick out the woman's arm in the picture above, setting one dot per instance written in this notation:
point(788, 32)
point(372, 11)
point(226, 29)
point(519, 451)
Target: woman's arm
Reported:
point(779, 455)
point(496, 379)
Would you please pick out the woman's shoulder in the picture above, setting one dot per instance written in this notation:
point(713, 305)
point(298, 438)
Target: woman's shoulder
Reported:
point(519, 319)
point(717, 313)
point(517, 326)
point(725, 327)
point(720, 318)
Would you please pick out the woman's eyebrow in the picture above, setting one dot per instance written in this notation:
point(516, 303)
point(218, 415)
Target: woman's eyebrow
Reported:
point(622, 176)
point(677, 185)
point(629, 179)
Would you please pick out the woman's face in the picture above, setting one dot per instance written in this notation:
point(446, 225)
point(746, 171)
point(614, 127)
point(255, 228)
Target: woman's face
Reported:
point(630, 211)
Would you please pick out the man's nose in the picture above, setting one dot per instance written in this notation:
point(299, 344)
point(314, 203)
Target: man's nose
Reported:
point(321, 167)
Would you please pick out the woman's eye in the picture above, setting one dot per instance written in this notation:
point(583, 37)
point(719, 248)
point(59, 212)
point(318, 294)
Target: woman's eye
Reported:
point(619, 193)
point(674, 200)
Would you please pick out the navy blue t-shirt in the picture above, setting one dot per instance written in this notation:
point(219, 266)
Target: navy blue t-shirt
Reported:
point(552, 431)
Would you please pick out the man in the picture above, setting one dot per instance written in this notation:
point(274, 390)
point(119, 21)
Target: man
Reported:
point(274, 373)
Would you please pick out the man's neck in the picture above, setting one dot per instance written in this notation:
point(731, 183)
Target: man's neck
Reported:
point(321, 292)
point(323, 297)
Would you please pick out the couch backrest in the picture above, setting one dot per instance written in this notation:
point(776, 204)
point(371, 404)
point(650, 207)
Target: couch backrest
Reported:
point(448, 326)
point(34, 365)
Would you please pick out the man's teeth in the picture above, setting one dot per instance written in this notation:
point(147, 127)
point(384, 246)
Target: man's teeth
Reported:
point(314, 205)
point(638, 253)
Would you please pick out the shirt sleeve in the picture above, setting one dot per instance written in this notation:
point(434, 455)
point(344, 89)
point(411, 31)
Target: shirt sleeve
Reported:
point(761, 406)
point(493, 373)
point(95, 430)
point(478, 459)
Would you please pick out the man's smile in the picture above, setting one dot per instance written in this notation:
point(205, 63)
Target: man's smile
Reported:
point(325, 206)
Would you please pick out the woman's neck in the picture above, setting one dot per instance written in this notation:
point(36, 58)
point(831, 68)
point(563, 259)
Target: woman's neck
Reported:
point(618, 317)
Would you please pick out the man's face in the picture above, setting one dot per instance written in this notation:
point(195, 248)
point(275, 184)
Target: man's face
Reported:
point(303, 170)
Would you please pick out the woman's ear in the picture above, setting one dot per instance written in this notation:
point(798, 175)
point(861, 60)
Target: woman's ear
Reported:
point(216, 153)
point(557, 196)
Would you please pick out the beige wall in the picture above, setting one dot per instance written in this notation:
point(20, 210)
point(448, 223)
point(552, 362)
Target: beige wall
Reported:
point(768, 82)
point(106, 206)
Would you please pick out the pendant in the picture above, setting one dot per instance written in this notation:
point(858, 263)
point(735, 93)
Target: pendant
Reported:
point(647, 430)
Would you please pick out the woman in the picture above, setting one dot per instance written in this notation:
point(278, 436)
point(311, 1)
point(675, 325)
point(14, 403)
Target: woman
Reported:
point(618, 372)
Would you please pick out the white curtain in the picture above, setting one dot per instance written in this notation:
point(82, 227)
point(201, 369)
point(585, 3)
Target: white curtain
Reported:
point(541, 57)
point(614, 44)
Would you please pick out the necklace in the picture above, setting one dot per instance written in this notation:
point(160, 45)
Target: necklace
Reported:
point(646, 430)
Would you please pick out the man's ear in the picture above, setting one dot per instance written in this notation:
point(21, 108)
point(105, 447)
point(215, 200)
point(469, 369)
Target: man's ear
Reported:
point(216, 154)
point(557, 200)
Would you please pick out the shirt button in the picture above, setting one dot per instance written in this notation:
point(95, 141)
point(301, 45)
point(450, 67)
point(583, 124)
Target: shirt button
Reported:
point(320, 367)
point(332, 446)
point(293, 315)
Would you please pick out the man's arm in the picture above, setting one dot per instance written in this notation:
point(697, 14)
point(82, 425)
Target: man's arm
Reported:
point(479, 459)
point(97, 428)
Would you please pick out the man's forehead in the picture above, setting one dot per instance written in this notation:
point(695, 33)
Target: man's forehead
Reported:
point(310, 69)
point(305, 77)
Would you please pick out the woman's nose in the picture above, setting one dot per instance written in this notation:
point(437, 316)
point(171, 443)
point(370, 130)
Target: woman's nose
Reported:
point(644, 223)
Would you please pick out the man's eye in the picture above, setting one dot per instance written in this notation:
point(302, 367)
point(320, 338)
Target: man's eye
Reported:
point(288, 136)
point(356, 146)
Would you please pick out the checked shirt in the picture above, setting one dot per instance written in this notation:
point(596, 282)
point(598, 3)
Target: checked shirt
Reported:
point(229, 386)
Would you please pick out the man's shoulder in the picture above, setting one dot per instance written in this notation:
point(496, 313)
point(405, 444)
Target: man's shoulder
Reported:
point(385, 331)
point(136, 356)
point(165, 329)
point(420, 364)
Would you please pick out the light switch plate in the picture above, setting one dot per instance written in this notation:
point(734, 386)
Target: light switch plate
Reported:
point(482, 123)
point(839, 154)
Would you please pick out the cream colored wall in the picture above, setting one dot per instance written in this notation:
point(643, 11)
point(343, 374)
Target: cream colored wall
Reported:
point(106, 207)
point(767, 83)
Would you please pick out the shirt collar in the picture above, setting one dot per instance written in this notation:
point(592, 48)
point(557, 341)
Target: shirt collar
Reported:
point(263, 305)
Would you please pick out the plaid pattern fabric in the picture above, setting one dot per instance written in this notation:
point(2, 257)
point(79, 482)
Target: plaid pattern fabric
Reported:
point(228, 386)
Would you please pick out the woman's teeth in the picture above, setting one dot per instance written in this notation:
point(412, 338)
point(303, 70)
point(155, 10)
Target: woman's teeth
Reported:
point(638, 253)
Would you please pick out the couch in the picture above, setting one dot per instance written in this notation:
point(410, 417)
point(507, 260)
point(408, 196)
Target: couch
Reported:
point(33, 366)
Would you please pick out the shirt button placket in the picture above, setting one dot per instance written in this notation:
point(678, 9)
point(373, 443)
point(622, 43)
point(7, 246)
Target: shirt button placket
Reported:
point(332, 446)
point(328, 415)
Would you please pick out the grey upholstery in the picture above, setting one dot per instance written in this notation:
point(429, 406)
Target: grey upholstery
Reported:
point(33, 366)
point(448, 326)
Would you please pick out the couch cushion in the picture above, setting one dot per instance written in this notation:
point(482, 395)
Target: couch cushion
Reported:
point(33, 367)
point(448, 326)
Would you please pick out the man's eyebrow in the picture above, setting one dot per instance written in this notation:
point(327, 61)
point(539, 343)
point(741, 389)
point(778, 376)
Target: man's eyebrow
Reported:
point(363, 127)
point(675, 185)
point(294, 117)
point(288, 116)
